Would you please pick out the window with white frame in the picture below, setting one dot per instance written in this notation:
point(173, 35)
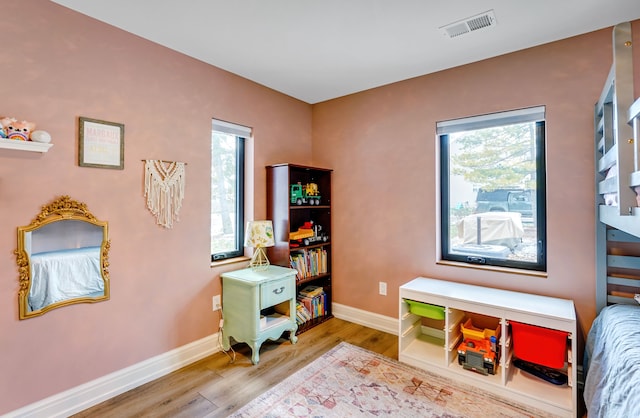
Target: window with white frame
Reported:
point(227, 189)
point(493, 189)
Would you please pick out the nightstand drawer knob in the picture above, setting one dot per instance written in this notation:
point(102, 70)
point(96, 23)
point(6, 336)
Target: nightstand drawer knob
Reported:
point(278, 291)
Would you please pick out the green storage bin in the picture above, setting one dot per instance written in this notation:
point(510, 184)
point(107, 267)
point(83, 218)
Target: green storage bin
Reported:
point(425, 309)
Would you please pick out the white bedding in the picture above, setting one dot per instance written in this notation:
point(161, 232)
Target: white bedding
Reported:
point(66, 274)
point(612, 354)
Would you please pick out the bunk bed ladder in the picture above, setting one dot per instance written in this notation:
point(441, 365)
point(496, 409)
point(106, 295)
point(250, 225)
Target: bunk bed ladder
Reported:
point(623, 274)
point(616, 157)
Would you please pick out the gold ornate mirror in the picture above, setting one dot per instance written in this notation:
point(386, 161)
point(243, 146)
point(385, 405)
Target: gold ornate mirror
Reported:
point(63, 258)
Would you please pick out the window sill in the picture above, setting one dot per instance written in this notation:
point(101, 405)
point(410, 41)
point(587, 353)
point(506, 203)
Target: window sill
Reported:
point(242, 259)
point(541, 274)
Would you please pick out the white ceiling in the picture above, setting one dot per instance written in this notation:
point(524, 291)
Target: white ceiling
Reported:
point(319, 50)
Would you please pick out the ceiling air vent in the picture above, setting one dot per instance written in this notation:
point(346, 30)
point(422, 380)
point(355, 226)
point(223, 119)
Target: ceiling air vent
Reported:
point(470, 24)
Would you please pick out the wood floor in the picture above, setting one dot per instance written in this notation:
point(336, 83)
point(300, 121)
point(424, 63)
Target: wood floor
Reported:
point(214, 387)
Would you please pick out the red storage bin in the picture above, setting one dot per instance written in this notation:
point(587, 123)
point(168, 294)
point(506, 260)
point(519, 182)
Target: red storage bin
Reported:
point(544, 346)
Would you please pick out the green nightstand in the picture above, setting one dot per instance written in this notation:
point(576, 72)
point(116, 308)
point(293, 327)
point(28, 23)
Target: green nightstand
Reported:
point(248, 300)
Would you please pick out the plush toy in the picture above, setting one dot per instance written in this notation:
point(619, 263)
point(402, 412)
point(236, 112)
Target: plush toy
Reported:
point(20, 131)
point(41, 136)
point(4, 122)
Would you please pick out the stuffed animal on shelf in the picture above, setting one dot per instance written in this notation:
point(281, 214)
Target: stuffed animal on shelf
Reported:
point(4, 121)
point(11, 128)
point(17, 130)
point(41, 136)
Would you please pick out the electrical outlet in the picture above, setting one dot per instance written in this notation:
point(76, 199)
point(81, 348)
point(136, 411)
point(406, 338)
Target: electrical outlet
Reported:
point(383, 288)
point(217, 305)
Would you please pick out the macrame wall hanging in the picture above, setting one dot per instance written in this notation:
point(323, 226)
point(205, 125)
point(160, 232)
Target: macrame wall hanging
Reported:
point(164, 183)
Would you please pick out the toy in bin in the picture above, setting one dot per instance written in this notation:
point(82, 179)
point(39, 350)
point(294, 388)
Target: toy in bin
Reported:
point(480, 356)
point(544, 346)
point(478, 351)
point(546, 373)
point(540, 351)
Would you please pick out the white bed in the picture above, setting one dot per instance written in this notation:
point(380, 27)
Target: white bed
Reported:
point(65, 274)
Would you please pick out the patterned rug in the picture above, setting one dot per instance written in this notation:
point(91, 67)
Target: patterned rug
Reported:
point(349, 381)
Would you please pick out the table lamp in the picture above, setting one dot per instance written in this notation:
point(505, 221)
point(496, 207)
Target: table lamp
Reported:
point(259, 234)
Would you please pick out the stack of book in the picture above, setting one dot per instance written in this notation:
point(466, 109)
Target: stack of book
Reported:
point(313, 299)
point(302, 314)
point(309, 263)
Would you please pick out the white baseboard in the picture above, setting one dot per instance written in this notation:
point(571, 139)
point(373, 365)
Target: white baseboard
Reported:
point(366, 318)
point(92, 393)
point(106, 387)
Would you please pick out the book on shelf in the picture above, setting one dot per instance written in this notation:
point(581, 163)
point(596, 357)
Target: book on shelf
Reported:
point(311, 291)
point(309, 263)
point(302, 314)
point(316, 305)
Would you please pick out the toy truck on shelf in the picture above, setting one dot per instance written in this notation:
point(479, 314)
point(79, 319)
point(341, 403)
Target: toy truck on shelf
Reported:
point(478, 350)
point(305, 194)
point(478, 356)
point(308, 233)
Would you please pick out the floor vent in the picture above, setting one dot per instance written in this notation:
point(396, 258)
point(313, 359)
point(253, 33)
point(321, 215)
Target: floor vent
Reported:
point(470, 24)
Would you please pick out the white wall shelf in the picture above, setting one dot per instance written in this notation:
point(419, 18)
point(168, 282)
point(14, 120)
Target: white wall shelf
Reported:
point(434, 346)
point(24, 145)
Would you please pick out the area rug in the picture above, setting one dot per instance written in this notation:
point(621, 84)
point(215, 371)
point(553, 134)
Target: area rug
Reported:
point(349, 381)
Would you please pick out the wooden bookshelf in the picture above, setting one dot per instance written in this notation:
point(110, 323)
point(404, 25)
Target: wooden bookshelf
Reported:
point(287, 217)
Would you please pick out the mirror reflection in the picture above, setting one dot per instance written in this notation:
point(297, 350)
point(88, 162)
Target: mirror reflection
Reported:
point(62, 258)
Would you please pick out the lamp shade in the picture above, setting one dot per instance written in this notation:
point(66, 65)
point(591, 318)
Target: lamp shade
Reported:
point(259, 234)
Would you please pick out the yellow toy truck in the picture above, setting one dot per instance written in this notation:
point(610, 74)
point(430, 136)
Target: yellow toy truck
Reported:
point(478, 350)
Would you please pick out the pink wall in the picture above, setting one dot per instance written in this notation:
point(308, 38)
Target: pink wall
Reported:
point(58, 65)
point(382, 145)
